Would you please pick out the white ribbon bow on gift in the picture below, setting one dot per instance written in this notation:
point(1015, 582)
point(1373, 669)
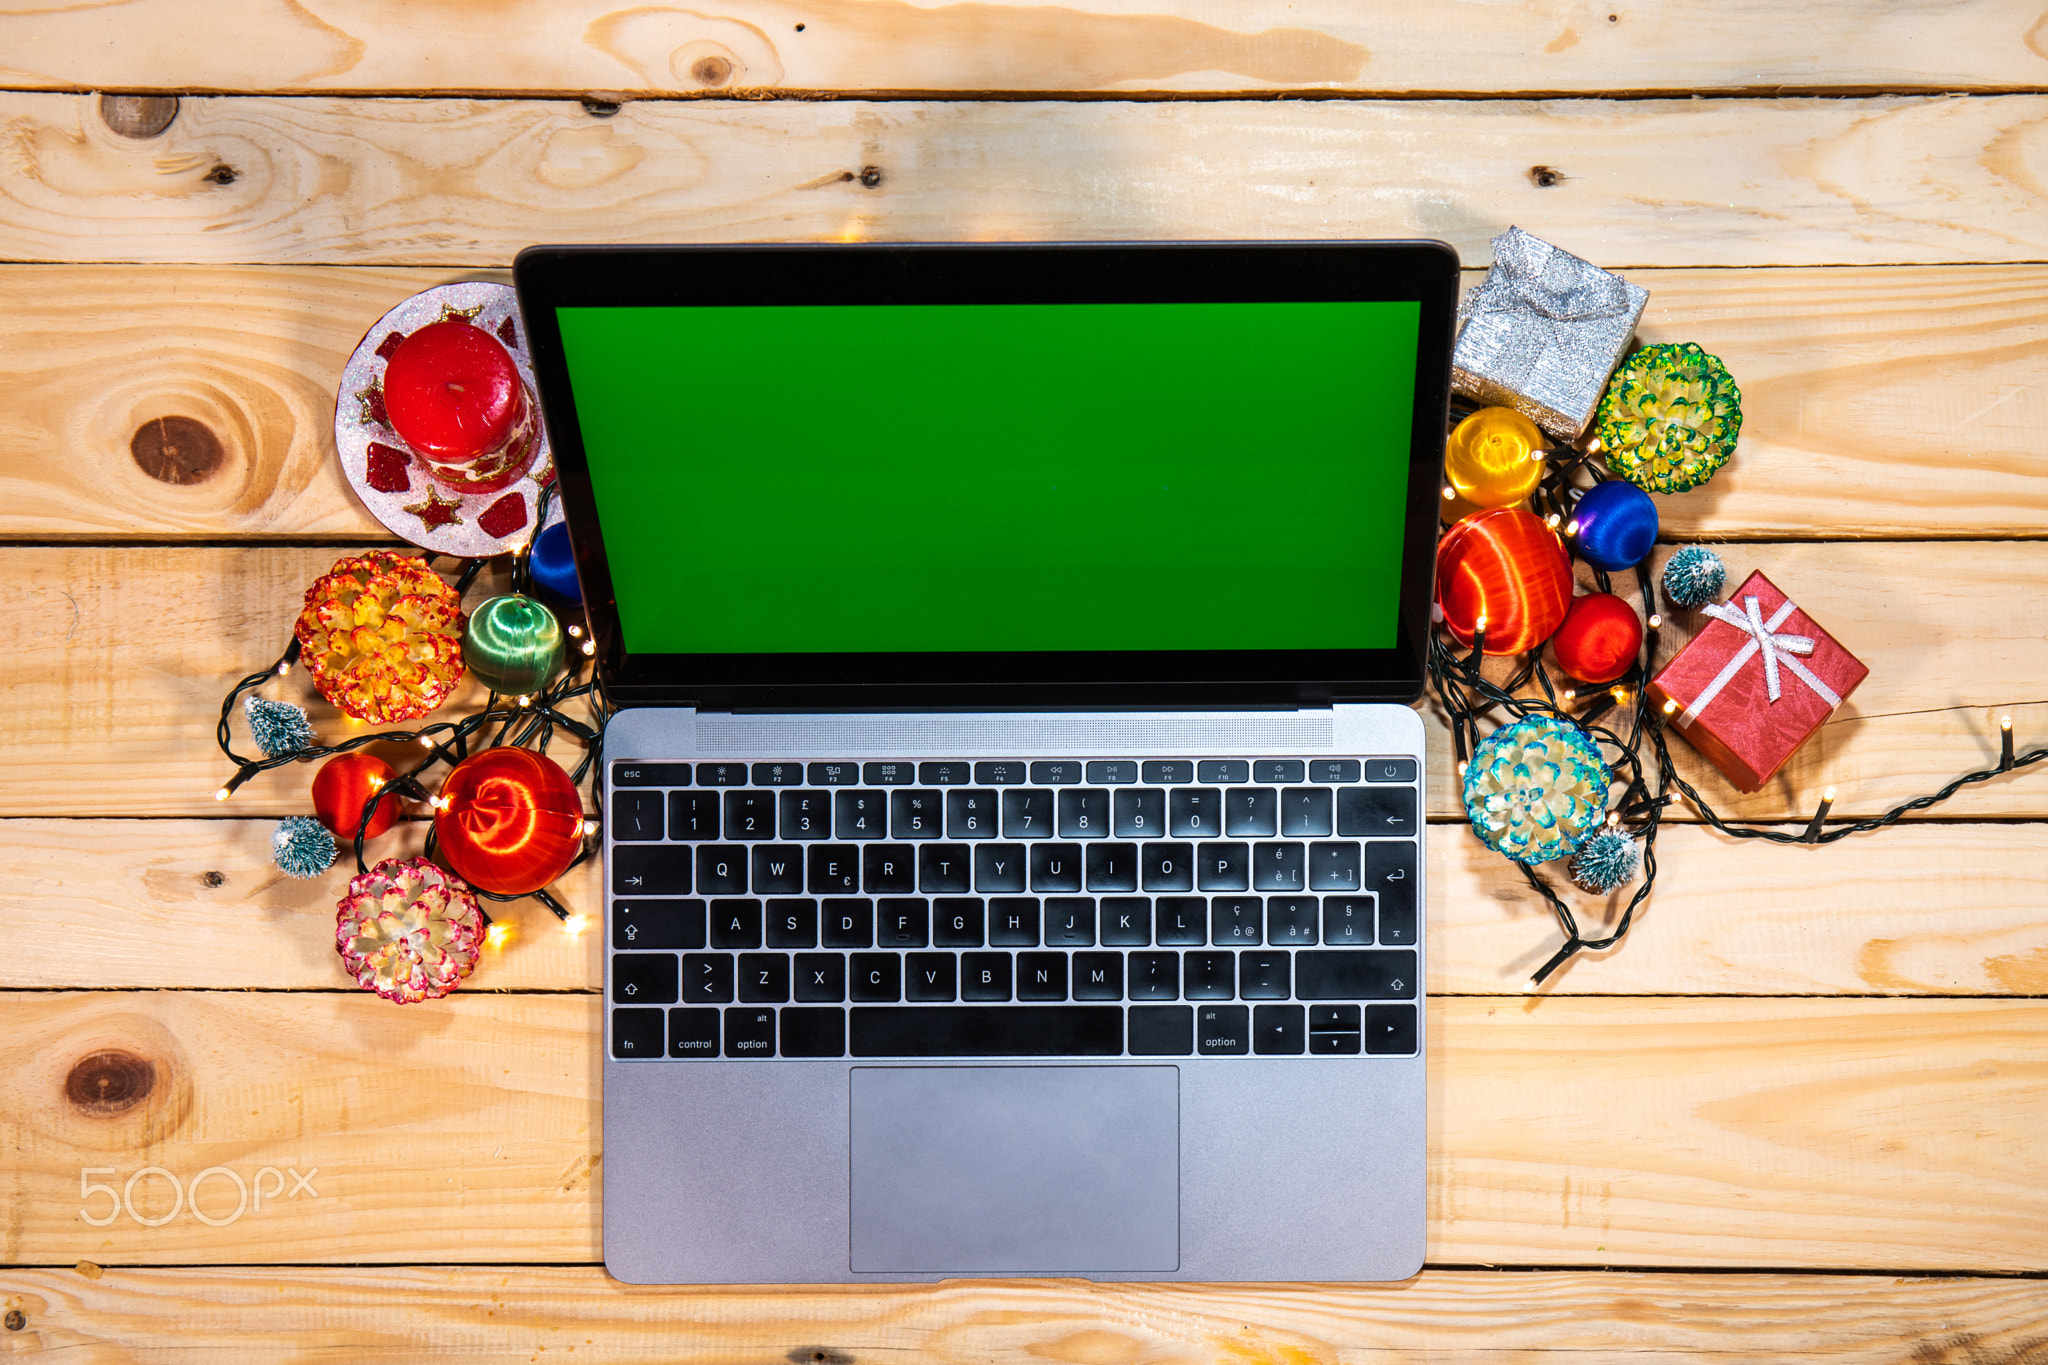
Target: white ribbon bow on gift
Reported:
point(1778, 651)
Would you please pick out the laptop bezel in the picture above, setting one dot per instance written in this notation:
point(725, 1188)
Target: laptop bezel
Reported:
point(1425, 272)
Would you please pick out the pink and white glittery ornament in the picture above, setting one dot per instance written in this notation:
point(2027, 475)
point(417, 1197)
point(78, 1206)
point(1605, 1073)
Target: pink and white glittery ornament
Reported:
point(408, 930)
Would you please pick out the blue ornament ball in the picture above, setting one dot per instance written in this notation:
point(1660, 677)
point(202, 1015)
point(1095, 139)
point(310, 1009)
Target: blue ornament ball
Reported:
point(1617, 524)
point(1693, 576)
point(302, 846)
point(1607, 860)
point(554, 567)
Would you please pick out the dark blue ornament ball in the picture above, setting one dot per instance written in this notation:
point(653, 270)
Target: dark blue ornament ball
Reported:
point(554, 567)
point(1617, 525)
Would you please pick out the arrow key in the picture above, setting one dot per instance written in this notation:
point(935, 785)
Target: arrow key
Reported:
point(1375, 812)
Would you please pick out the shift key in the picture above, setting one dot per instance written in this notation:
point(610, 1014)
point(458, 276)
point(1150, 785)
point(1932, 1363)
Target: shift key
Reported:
point(1354, 974)
point(650, 870)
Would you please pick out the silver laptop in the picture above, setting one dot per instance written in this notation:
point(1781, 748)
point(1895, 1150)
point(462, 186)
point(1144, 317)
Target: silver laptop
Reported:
point(1012, 819)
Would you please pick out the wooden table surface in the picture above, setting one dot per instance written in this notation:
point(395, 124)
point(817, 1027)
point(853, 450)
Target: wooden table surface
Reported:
point(1798, 1116)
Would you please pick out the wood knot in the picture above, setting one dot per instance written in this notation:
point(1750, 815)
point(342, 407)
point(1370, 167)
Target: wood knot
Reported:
point(16, 1319)
point(598, 108)
point(1543, 177)
point(213, 881)
point(222, 175)
point(177, 450)
point(819, 1355)
point(104, 1084)
point(138, 116)
point(871, 176)
point(711, 70)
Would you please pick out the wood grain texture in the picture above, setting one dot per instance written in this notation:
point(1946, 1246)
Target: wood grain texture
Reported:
point(1934, 909)
point(469, 182)
point(1761, 1133)
point(1442, 1317)
point(841, 45)
point(1888, 401)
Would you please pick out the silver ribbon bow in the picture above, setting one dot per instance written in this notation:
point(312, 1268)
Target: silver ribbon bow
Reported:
point(1778, 651)
point(1529, 273)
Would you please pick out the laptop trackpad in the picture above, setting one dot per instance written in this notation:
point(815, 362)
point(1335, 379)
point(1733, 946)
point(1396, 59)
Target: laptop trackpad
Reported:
point(1046, 1169)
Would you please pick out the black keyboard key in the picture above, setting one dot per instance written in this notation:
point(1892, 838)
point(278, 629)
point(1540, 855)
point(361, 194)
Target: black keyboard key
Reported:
point(1162, 1030)
point(860, 815)
point(999, 773)
point(849, 923)
point(1376, 812)
point(778, 774)
point(875, 977)
point(835, 870)
point(888, 869)
point(1138, 814)
point(721, 774)
point(973, 814)
point(692, 1032)
point(693, 815)
point(1113, 770)
point(764, 978)
point(813, 1033)
point(1084, 814)
point(1397, 925)
point(984, 976)
point(1209, 976)
point(1305, 812)
point(1277, 770)
point(902, 922)
point(1390, 1029)
point(1390, 873)
point(1013, 922)
point(1354, 974)
point(806, 815)
point(1262, 976)
point(1390, 770)
point(1154, 976)
point(1098, 976)
point(834, 774)
point(1234, 921)
point(1180, 922)
point(931, 977)
point(956, 922)
point(749, 1032)
point(1333, 1018)
point(1277, 1031)
point(970, 1031)
point(658, 924)
point(707, 978)
point(1333, 867)
point(1041, 976)
point(1224, 867)
point(1055, 774)
point(644, 978)
point(1223, 770)
point(1055, 867)
point(1251, 811)
point(1347, 921)
point(1223, 1030)
point(1333, 1044)
point(888, 774)
point(636, 816)
point(778, 869)
point(1070, 922)
point(1278, 867)
point(1196, 813)
point(1112, 867)
point(820, 978)
point(1126, 922)
point(918, 814)
point(1333, 770)
point(1291, 921)
point(650, 774)
point(792, 924)
point(650, 871)
point(1027, 815)
point(736, 924)
point(636, 1033)
point(998, 868)
point(944, 869)
point(722, 869)
point(943, 774)
point(1167, 771)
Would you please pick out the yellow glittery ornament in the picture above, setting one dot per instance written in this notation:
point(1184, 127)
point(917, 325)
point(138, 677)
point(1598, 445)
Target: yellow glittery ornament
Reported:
point(1494, 458)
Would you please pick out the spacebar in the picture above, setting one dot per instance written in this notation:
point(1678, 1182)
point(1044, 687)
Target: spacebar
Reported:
point(987, 1031)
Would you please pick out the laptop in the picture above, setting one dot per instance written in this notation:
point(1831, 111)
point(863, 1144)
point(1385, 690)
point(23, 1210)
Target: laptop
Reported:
point(1012, 813)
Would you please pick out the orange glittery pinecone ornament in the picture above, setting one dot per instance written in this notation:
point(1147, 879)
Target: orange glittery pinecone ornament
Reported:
point(382, 636)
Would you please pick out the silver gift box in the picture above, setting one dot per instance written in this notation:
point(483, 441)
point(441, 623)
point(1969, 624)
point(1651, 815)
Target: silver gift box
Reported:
point(1543, 332)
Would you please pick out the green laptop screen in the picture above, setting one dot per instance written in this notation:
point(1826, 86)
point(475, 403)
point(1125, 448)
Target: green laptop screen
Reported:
point(999, 477)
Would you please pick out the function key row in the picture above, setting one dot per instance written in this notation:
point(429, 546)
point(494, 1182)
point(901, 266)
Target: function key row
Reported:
point(1010, 772)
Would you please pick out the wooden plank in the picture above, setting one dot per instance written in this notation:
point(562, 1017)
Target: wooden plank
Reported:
point(1936, 909)
point(1099, 46)
point(115, 660)
point(1754, 1133)
point(467, 182)
point(1858, 384)
point(1443, 1317)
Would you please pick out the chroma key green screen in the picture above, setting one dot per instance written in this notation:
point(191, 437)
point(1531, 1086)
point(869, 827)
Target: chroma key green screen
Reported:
point(997, 477)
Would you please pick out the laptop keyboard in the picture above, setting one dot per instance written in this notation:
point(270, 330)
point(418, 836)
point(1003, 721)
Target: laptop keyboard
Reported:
point(1014, 908)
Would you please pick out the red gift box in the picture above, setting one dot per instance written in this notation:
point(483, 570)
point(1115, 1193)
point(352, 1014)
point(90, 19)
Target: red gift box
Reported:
point(1755, 683)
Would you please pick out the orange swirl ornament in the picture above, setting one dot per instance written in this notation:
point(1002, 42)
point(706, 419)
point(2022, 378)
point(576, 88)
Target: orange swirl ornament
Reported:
point(508, 820)
point(1506, 567)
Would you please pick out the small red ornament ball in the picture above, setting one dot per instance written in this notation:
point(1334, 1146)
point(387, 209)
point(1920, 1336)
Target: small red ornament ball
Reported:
point(509, 821)
point(344, 785)
point(1599, 639)
point(1506, 566)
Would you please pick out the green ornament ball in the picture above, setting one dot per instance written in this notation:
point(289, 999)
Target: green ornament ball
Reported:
point(1537, 789)
point(513, 644)
point(1669, 418)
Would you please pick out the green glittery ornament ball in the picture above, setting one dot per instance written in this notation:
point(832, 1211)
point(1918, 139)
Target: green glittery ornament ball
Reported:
point(1536, 789)
point(1669, 417)
point(513, 644)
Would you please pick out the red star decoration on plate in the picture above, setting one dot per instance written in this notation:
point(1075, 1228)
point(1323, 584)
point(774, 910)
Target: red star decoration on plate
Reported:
point(434, 512)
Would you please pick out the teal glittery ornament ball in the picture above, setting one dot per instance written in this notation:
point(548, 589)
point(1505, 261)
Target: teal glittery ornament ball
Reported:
point(278, 727)
point(1607, 860)
point(302, 846)
point(1536, 789)
point(1693, 576)
point(513, 644)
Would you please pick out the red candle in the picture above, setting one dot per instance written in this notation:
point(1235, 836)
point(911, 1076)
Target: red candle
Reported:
point(455, 396)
